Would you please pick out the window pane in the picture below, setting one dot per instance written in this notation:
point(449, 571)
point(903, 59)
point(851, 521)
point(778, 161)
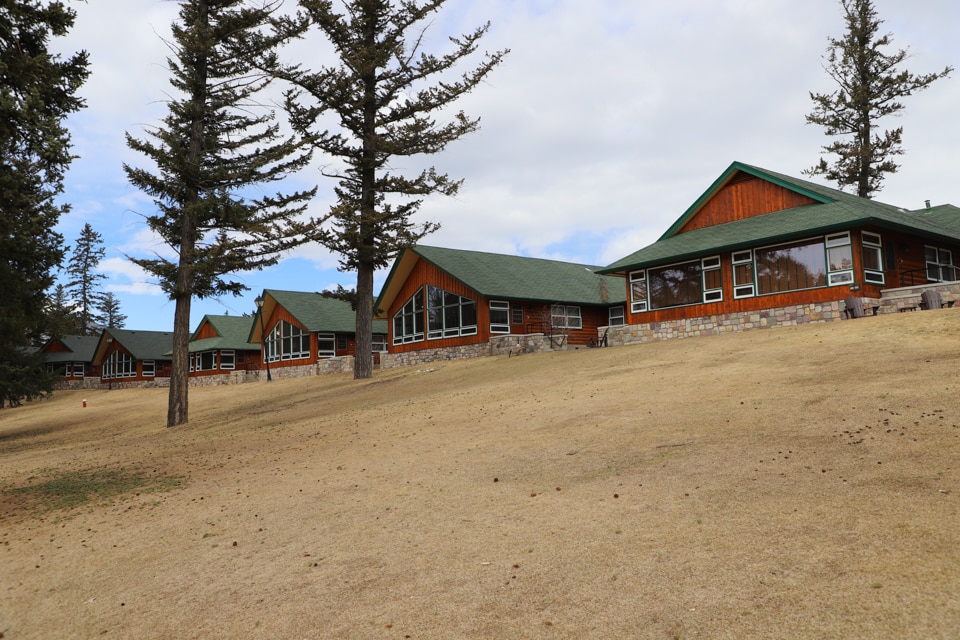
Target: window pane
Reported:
point(743, 273)
point(675, 285)
point(712, 280)
point(638, 290)
point(872, 258)
point(840, 258)
point(790, 267)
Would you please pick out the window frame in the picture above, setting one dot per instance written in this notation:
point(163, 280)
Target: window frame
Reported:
point(939, 264)
point(282, 339)
point(744, 289)
point(565, 312)
point(616, 316)
point(875, 247)
point(438, 316)
point(708, 266)
point(148, 368)
point(326, 339)
point(500, 308)
point(410, 334)
point(638, 290)
point(227, 363)
point(832, 243)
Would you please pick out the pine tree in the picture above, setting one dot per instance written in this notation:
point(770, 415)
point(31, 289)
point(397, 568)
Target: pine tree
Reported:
point(63, 318)
point(110, 311)
point(84, 283)
point(214, 149)
point(379, 91)
point(870, 87)
point(37, 92)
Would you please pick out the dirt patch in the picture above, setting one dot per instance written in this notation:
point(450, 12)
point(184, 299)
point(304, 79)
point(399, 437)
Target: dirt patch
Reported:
point(796, 482)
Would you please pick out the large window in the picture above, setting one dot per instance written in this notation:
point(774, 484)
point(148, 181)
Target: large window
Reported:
point(791, 267)
point(939, 264)
point(287, 342)
point(872, 258)
point(205, 361)
point(408, 322)
point(450, 315)
point(676, 285)
point(499, 316)
point(119, 365)
point(565, 316)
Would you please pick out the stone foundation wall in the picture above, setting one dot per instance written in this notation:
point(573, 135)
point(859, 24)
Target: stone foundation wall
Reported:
point(220, 379)
point(725, 323)
point(327, 365)
point(424, 356)
point(155, 383)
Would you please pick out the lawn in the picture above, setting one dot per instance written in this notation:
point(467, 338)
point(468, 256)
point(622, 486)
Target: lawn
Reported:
point(799, 482)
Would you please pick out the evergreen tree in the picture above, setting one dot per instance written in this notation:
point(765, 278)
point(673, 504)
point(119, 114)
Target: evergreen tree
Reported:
point(37, 92)
point(84, 283)
point(214, 149)
point(870, 87)
point(110, 311)
point(62, 316)
point(381, 95)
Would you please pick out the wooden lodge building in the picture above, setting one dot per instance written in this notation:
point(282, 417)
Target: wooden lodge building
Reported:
point(133, 358)
point(449, 303)
point(305, 333)
point(760, 248)
point(220, 347)
point(71, 359)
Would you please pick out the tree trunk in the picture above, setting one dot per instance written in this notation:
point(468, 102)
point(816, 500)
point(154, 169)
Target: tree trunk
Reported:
point(363, 362)
point(179, 375)
point(183, 290)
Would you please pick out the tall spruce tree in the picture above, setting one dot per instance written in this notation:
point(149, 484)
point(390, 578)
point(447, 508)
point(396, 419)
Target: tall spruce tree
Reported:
point(62, 316)
point(110, 310)
point(869, 87)
point(84, 281)
point(380, 92)
point(213, 152)
point(37, 93)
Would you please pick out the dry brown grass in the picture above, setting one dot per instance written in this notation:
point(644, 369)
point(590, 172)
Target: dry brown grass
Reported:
point(791, 483)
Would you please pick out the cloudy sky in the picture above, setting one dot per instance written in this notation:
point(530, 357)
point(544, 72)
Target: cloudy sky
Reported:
point(606, 121)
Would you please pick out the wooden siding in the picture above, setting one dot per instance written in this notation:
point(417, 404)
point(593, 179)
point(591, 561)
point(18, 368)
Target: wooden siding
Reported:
point(206, 330)
point(55, 346)
point(744, 197)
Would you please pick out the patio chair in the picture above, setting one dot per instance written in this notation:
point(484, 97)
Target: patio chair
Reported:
point(931, 299)
point(853, 307)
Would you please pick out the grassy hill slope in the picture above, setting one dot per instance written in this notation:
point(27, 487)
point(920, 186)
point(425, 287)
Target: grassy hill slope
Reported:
point(790, 483)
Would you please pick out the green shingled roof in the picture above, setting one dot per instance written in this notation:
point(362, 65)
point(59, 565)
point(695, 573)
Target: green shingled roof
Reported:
point(506, 277)
point(81, 349)
point(234, 333)
point(834, 211)
point(142, 345)
point(318, 313)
